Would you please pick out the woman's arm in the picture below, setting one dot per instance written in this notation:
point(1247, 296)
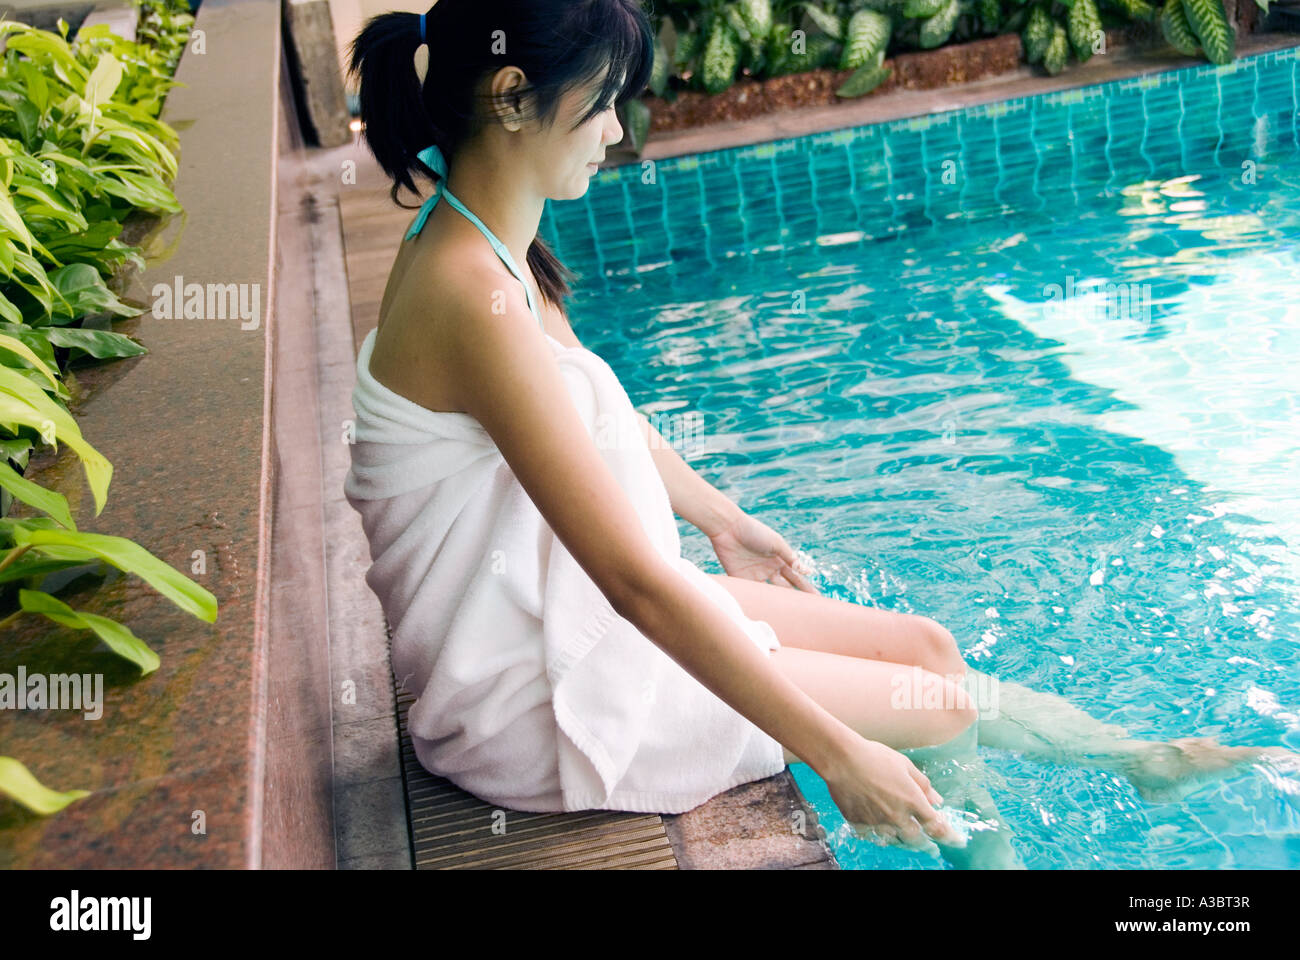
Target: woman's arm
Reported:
point(745, 547)
point(694, 499)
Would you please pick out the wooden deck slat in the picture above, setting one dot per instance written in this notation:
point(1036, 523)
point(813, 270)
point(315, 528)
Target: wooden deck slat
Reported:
point(452, 829)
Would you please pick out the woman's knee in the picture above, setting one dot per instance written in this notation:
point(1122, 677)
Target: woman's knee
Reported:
point(963, 712)
point(939, 709)
point(939, 649)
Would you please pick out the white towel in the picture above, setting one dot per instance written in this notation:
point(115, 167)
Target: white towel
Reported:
point(533, 694)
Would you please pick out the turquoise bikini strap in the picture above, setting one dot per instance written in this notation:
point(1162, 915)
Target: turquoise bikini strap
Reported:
point(434, 160)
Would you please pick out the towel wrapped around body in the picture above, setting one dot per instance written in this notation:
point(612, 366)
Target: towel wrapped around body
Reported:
point(532, 693)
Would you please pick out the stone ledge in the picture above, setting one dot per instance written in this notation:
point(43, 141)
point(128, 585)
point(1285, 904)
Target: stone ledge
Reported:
point(750, 827)
point(230, 724)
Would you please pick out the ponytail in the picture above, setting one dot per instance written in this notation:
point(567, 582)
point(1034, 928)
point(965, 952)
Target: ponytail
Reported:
point(394, 119)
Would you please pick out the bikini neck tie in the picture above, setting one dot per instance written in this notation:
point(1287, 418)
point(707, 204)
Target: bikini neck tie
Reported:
point(432, 158)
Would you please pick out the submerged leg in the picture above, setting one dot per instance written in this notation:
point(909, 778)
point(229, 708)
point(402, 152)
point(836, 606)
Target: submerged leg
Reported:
point(957, 772)
point(1044, 726)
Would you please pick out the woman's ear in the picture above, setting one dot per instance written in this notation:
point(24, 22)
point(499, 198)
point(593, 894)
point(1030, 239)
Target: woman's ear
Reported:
point(506, 90)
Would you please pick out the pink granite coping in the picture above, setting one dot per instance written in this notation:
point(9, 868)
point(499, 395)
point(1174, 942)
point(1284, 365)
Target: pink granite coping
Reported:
point(182, 766)
point(763, 825)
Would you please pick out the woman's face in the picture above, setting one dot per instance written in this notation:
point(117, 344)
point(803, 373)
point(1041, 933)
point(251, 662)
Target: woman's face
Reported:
point(566, 158)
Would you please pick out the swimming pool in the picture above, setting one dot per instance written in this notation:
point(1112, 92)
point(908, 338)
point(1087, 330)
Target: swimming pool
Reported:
point(1029, 369)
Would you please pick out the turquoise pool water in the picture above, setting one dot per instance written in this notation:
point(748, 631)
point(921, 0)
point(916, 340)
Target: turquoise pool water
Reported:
point(1097, 489)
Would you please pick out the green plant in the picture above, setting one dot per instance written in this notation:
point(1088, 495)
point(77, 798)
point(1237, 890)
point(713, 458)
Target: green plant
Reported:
point(1083, 24)
point(865, 35)
point(1058, 48)
point(1210, 24)
point(1038, 33)
point(937, 28)
point(709, 44)
point(1177, 31)
point(81, 147)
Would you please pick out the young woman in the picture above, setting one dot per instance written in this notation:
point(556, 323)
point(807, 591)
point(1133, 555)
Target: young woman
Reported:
point(564, 654)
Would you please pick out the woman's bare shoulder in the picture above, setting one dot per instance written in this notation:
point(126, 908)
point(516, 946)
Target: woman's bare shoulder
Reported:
point(436, 299)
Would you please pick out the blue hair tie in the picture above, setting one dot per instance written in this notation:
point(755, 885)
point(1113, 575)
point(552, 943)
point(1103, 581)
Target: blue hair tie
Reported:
point(422, 40)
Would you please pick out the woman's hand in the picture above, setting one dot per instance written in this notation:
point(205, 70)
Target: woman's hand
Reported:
point(877, 788)
point(752, 550)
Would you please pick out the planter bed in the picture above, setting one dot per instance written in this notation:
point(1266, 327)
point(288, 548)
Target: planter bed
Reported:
point(919, 70)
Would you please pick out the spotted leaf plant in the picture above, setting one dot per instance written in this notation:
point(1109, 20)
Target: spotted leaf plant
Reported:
point(708, 45)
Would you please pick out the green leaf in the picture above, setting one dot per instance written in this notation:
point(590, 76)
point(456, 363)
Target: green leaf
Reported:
point(721, 57)
point(10, 313)
point(1058, 50)
point(638, 123)
point(30, 565)
point(1210, 24)
point(15, 449)
point(11, 223)
point(147, 192)
point(33, 494)
point(659, 71)
point(935, 30)
point(38, 91)
point(85, 291)
point(37, 342)
point(827, 22)
point(49, 203)
point(103, 80)
point(101, 344)
point(18, 782)
point(1037, 34)
point(920, 9)
point(132, 558)
point(15, 346)
point(1176, 29)
point(43, 46)
point(867, 34)
point(118, 638)
point(865, 79)
point(21, 401)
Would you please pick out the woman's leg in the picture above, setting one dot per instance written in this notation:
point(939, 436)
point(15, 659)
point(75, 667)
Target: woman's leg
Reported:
point(957, 772)
point(1042, 726)
point(813, 622)
point(1046, 727)
point(925, 716)
point(877, 698)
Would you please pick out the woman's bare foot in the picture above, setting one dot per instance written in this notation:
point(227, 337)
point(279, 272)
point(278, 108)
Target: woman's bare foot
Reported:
point(1167, 772)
